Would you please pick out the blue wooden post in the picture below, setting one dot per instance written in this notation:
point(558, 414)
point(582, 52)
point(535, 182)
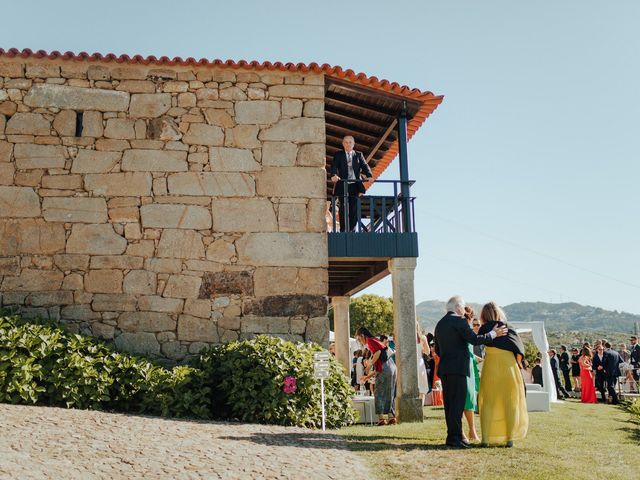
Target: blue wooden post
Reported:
point(404, 168)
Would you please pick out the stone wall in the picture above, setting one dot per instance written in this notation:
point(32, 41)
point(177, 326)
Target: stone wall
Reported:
point(163, 208)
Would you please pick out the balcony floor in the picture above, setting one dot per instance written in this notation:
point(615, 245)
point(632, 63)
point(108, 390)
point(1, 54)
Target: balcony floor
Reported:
point(348, 276)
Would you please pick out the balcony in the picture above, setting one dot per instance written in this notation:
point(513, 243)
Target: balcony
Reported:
point(363, 240)
point(381, 237)
point(382, 226)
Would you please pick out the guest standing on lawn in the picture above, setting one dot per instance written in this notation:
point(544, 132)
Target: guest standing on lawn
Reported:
point(473, 383)
point(502, 402)
point(422, 349)
point(452, 338)
point(564, 360)
point(385, 371)
point(575, 368)
point(611, 365)
point(555, 366)
point(587, 390)
point(536, 372)
point(598, 370)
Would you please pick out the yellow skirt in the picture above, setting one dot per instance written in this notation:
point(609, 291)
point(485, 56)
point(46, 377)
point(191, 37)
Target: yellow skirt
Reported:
point(501, 400)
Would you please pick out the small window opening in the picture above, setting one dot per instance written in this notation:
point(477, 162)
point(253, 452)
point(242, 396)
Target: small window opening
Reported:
point(78, 124)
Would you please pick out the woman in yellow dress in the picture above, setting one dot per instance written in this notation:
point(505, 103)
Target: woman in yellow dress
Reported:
point(501, 400)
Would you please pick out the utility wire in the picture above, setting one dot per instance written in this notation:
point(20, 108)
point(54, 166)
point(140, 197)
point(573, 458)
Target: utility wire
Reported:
point(531, 250)
point(502, 277)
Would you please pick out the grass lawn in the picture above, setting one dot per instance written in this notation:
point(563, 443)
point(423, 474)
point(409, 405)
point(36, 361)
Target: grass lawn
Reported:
point(573, 441)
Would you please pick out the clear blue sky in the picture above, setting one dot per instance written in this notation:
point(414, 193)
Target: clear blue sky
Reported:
point(535, 148)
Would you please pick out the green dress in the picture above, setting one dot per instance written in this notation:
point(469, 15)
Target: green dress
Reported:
point(473, 383)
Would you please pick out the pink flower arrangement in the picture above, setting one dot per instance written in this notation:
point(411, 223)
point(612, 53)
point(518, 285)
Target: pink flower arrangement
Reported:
point(290, 385)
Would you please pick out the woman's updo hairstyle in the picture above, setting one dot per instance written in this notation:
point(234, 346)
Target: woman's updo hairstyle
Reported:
point(469, 314)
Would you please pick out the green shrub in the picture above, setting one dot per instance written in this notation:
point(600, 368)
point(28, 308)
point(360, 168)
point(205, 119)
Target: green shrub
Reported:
point(43, 364)
point(634, 408)
point(247, 379)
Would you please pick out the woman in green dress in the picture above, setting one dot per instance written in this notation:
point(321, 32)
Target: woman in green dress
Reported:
point(473, 384)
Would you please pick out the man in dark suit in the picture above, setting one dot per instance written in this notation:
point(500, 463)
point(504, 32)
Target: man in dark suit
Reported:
point(452, 336)
point(555, 365)
point(564, 367)
point(634, 352)
point(598, 369)
point(536, 372)
point(611, 366)
point(348, 164)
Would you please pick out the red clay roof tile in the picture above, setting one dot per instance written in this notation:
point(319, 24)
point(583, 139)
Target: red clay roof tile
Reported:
point(429, 101)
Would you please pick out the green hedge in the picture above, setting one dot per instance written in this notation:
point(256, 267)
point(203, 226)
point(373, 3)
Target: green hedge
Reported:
point(45, 365)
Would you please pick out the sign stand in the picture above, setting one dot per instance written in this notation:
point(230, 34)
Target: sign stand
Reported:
point(321, 371)
point(322, 394)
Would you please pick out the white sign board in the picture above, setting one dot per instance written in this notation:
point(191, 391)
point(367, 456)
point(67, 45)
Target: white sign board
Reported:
point(321, 371)
point(320, 356)
point(320, 366)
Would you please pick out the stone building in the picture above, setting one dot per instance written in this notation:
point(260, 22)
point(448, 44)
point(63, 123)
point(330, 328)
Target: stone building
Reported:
point(167, 204)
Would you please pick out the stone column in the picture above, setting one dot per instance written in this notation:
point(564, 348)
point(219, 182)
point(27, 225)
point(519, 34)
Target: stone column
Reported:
point(341, 328)
point(404, 320)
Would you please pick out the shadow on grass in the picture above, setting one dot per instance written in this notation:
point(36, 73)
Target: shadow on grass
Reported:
point(632, 426)
point(634, 432)
point(332, 442)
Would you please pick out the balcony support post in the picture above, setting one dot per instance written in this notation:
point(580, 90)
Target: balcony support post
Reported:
point(405, 335)
point(404, 168)
point(341, 328)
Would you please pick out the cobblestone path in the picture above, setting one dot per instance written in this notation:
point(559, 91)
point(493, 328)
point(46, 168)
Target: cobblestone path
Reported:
point(42, 442)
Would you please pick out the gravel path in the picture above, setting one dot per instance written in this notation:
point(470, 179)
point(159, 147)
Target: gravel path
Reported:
point(42, 442)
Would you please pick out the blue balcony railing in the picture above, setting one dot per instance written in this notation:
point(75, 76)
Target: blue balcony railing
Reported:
point(372, 225)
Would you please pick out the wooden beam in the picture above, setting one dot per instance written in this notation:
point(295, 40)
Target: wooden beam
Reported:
point(358, 287)
point(349, 116)
point(350, 130)
point(382, 139)
point(333, 135)
point(349, 102)
point(370, 92)
point(331, 151)
point(354, 125)
point(336, 291)
point(361, 283)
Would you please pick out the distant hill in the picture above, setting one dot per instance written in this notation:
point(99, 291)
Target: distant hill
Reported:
point(557, 317)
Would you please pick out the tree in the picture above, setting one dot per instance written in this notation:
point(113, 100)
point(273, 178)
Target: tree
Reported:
point(530, 352)
point(373, 312)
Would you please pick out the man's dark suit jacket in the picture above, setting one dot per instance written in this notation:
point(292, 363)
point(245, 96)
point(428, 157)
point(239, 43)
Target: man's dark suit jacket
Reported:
point(536, 372)
point(595, 363)
point(339, 167)
point(611, 363)
point(564, 361)
point(452, 336)
point(634, 351)
point(553, 361)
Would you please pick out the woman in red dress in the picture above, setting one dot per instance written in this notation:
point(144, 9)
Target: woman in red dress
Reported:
point(588, 391)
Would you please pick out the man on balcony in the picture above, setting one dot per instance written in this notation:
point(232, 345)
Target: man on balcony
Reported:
point(350, 165)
